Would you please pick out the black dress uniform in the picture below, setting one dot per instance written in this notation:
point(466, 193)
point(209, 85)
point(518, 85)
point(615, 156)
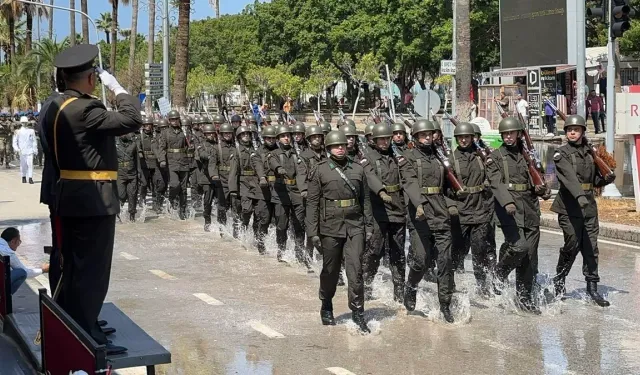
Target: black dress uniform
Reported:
point(173, 146)
point(150, 168)
point(206, 159)
point(508, 175)
point(128, 169)
point(264, 208)
point(225, 152)
point(82, 134)
point(310, 159)
point(577, 212)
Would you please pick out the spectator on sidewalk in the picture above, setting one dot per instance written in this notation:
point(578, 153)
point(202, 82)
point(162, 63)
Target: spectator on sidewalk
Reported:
point(549, 115)
point(595, 107)
point(9, 243)
point(522, 106)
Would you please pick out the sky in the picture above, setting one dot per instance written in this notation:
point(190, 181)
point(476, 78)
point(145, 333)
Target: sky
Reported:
point(61, 19)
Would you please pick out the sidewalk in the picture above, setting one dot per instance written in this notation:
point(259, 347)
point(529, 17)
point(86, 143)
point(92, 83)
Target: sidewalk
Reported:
point(20, 203)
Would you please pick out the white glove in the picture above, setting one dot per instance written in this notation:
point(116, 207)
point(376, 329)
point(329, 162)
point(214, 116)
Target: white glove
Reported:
point(111, 82)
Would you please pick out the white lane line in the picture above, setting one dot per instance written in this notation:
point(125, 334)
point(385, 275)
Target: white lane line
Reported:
point(162, 275)
point(128, 256)
point(132, 371)
point(339, 371)
point(599, 240)
point(208, 299)
point(265, 330)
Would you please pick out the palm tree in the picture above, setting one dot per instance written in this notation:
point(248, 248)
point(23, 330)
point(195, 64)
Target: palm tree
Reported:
point(125, 33)
point(85, 22)
point(5, 37)
point(44, 54)
point(182, 54)
point(114, 31)
point(463, 58)
point(51, 21)
point(31, 10)
point(72, 20)
point(150, 41)
point(132, 40)
point(11, 11)
point(104, 24)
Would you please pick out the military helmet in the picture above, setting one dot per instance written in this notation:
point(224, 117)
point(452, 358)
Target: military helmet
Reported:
point(226, 128)
point(162, 123)
point(398, 127)
point(368, 130)
point(313, 130)
point(335, 137)
point(186, 120)
point(146, 120)
point(298, 127)
point(381, 130)
point(209, 128)
point(206, 119)
point(326, 127)
point(173, 114)
point(236, 118)
point(155, 122)
point(269, 131)
point(196, 119)
point(349, 122)
point(349, 130)
point(218, 119)
point(464, 128)
point(436, 125)
point(476, 129)
point(242, 129)
point(509, 124)
point(422, 125)
point(575, 120)
point(282, 129)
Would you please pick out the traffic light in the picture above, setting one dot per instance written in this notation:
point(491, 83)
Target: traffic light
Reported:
point(620, 21)
point(600, 13)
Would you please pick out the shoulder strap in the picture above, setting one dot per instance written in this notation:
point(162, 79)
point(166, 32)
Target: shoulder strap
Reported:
point(55, 127)
point(332, 165)
point(378, 169)
point(480, 163)
point(442, 175)
point(419, 163)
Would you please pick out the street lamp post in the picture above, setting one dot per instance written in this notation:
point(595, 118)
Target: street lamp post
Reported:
point(164, 14)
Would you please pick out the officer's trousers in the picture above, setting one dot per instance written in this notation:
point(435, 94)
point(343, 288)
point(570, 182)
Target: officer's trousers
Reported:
point(394, 234)
point(128, 192)
point(477, 238)
point(423, 243)
point(178, 189)
point(296, 214)
point(207, 202)
point(87, 250)
point(521, 254)
point(55, 264)
point(26, 165)
point(333, 249)
point(580, 236)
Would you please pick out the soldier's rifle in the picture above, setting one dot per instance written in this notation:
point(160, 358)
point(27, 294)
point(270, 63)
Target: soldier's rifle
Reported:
point(296, 146)
point(528, 152)
point(264, 118)
point(374, 116)
point(603, 168)
point(317, 116)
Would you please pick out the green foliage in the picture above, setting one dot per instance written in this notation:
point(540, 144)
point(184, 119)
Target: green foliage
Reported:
point(322, 76)
point(285, 84)
point(365, 70)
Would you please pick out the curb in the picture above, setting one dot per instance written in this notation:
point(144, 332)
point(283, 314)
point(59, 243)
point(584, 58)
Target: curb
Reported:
point(609, 230)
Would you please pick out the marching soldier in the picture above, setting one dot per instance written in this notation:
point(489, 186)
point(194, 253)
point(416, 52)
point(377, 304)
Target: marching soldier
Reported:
point(236, 121)
point(353, 148)
point(5, 137)
point(225, 153)
point(298, 134)
point(161, 127)
point(286, 196)
point(326, 127)
point(192, 179)
point(218, 120)
point(577, 209)
point(150, 168)
point(518, 209)
point(206, 159)
point(388, 206)
point(474, 214)
point(128, 173)
point(399, 136)
point(174, 147)
point(264, 209)
point(429, 211)
point(339, 221)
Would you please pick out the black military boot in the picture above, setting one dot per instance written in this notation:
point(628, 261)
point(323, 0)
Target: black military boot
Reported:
point(430, 276)
point(592, 291)
point(207, 224)
point(326, 314)
point(24, 180)
point(558, 286)
point(31, 181)
point(410, 296)
point(368, 291)
point(132, 217)
point(398, 292)
point(358, 319)
point(340, 279)
point(446, 312)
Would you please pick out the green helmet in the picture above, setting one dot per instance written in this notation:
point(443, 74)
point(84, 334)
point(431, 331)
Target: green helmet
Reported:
point(283, 129)
point(381, 130)
point(209, 128)
point(198, 119)
point(298, 128)
point(269, 131)
point(349, 130)
point(206, 119)
point(335, 137)
point(162, 123)
point(326, 127)
point(236, 118)
point(218, 119)
point(226, 128)
point(398, 127)
point(349, 122)
point(464, 128)
point(186, 121)
point(368, 130)
point(509, 124)
point(476, 129)
point(242, 129)
point(146, 120)
point(436, 125)
point(422, 125)
point(313, 130)
point(173, 114)
point(575, 120)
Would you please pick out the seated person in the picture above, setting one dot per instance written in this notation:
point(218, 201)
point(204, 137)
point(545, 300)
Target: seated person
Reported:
point(9, 242)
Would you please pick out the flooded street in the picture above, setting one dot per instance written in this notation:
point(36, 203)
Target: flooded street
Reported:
point(221, 308)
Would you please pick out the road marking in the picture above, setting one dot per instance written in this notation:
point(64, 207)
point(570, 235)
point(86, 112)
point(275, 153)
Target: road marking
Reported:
point(132, 371)
point(265, 330)
point(208, 299)
point(162, 275)
point(599, 240)
point(128, 256)
point(339, 371)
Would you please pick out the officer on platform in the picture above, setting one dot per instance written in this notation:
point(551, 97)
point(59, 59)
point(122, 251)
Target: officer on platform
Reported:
point(82, 134)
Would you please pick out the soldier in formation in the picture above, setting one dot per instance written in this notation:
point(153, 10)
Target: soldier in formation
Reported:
point(128, 172)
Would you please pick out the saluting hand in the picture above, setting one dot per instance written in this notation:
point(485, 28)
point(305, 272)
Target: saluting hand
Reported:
point(110, 82)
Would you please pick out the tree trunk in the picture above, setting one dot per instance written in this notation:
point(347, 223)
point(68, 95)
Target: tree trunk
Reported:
point(107, 37)
point(132, 41)
point(355, 105)
point(182, 55)
point(51, 20)
point(150, 45)
point(463, 58)
point(114, 36)
point(12, 40)
point(85, 22)
point(29, 35)
point(72, 23)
